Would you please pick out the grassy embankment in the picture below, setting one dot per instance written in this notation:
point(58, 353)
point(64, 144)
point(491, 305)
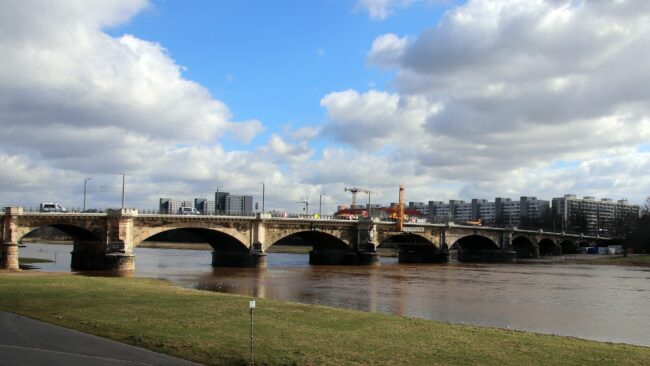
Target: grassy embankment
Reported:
point(212, 328)
point(23, 260)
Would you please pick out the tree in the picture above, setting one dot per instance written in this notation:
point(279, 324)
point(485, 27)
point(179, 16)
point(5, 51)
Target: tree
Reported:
point(639, 234)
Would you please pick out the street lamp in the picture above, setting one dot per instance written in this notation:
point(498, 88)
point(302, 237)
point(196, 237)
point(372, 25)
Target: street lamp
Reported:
point(123, 180)
point(263, 187)
point(85, 182)
point(369, 209)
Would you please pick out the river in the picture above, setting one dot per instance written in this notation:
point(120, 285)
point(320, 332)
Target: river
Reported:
point(604, 303)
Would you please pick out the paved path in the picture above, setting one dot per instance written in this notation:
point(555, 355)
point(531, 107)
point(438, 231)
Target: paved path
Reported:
point(28, 342)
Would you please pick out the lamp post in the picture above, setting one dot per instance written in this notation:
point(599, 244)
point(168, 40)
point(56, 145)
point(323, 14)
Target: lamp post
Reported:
point(263, 188)
point(85, 182)
point(369, 209)
point(123, 180)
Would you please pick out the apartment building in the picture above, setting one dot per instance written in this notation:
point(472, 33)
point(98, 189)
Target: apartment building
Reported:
point(591, 216)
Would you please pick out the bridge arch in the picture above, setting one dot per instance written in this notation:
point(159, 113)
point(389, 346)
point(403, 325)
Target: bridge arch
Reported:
point(88, 249)
point(569, 246)
point(474, 243)
point(218, 240)
point(77, 233)
point(217, 237)
point(414, 248)
point(407, 239)
point(318, 240)
point(525, 247)
point(547, 247)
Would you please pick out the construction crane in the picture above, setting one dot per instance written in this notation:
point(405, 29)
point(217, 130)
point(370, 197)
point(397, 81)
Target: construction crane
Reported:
point(306, 203)
point(400, 209)
point(354, 191)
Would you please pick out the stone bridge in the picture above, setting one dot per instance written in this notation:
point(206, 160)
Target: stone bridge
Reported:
point(106, 240)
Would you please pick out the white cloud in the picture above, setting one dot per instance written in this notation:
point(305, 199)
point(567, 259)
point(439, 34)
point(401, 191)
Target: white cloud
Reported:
point(505, 90)
point(76, 102)
point(387, 49)
point(375, 120)
point(286, 152)
point(492, 101)
point(381, 9)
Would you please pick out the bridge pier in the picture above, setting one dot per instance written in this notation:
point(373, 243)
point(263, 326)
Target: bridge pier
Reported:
point(340, 258)
point(253, 259)
point(9, 246)
point(491, 256)
point(9, 259)
point(422, 256)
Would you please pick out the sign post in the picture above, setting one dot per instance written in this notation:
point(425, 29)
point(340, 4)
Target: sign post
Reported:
point(251, 307)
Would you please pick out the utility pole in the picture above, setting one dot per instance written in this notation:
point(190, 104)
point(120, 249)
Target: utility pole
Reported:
point(123, 181)
point(369, 208)
point(85, 182)
point(263, 188)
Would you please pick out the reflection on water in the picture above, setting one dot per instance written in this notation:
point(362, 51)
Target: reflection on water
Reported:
point(606, 303)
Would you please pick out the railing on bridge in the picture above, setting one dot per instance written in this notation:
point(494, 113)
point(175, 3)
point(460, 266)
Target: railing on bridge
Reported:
point(280, 215)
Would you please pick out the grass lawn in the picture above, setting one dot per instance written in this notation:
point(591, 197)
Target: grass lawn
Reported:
point(23, 260)
point(212, 328)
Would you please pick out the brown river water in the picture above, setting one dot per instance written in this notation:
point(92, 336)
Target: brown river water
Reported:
point(604, 303)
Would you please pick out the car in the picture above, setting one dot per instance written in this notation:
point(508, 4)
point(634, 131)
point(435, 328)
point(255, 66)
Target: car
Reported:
point(188, 211)
point(51, 207)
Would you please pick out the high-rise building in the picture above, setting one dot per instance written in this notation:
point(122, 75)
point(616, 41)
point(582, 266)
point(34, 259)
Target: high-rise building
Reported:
point(420, 207)
point(230, 204)
point(224, 204)
point(170, 206)
point(503, 211)
point(439, 211)
point(220, 202)
point(590, 216)
point(204, 206)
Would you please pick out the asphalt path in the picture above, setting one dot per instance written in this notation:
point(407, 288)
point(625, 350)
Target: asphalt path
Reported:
point(28, 342)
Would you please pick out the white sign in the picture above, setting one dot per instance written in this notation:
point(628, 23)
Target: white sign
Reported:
point(251, 304)
point(413, 229)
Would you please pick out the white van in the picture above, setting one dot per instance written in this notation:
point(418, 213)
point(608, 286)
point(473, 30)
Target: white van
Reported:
point(188, 211)
point(51, 207)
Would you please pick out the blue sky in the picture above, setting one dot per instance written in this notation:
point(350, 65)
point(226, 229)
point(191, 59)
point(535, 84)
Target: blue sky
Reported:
point(453, 99)
point(275, 60)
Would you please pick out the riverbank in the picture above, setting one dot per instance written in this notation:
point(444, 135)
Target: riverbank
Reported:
point(638, 260)
point(212, 328)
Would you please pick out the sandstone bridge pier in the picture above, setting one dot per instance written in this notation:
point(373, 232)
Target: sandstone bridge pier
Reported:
point(105, 241)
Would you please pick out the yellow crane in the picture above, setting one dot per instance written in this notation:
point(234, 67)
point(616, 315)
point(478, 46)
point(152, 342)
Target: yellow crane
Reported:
point(397, 211)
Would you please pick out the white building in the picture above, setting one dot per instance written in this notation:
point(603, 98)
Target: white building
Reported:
point(590, 216)
point(503, 211)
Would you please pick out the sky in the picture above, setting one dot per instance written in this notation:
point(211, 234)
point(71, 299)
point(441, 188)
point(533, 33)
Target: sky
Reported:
point(452, 99)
